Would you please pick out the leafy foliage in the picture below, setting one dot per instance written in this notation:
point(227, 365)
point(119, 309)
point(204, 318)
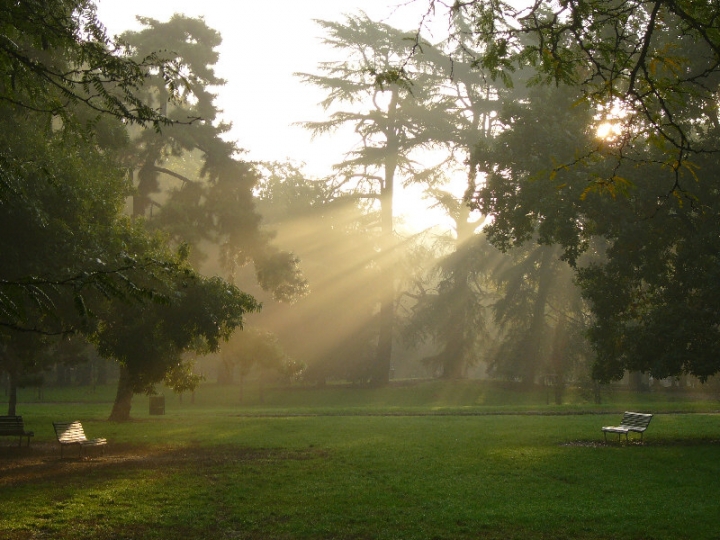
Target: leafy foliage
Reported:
point(656, 61)
point(214, 201)
point(388, 101)
point(196, 314)
point(637, 204)
point(72, 262)
point(91, 72)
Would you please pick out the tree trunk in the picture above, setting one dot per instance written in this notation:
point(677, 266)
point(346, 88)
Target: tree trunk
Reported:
point(558, 361)
point(380, 375)
point(123, 397)
point(453, 355)
point(635, 381)
point(381, 371)
point(226, 371)
point(459, 323)
point(12, 400)
point(538, 326)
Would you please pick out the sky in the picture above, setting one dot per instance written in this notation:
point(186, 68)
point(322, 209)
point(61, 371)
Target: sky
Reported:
point(264, 43)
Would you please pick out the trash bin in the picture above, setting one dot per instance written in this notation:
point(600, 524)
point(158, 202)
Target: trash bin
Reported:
point(157, 404)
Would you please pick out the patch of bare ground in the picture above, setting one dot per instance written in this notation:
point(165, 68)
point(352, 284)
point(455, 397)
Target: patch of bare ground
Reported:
point(658, 442)
point(41, 461)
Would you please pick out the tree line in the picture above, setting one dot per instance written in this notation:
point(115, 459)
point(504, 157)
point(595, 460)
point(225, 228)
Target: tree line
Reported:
point(587, 135)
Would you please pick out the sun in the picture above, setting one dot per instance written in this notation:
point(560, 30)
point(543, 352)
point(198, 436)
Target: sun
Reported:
point(608, 130)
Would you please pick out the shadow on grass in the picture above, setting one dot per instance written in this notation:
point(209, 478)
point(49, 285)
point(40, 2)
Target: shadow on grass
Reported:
point(41, 462)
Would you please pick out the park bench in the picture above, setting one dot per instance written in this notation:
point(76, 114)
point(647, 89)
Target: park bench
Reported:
point(12, 426)
point(69, 433)
point(631, 421)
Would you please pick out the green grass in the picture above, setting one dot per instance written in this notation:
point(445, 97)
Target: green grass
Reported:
point(219, 469)
point(428, 397)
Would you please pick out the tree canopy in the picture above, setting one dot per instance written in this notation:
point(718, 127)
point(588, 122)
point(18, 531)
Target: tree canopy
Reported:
point(72, 261)
point(612, 155)
point(92, 72)
point(211, 200)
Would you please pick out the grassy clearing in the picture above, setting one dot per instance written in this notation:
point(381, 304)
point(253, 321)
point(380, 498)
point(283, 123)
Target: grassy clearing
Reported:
point(208, 470)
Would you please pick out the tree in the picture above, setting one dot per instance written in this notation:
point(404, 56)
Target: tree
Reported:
point(393, 117)
point(63, 237)
point(551, 175)
point(71, 261)
point(214, 202)
point(542, 320)
point(453, 311)
point(60, 212)
point(194, 314)
point(452, 306)
point(64, 90)
point(654, 297)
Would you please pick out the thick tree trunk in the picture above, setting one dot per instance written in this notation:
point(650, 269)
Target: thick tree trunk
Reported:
point(12, 398)
point(454, 364)
point(597, 392)
point(123, 397)
point(380, 374)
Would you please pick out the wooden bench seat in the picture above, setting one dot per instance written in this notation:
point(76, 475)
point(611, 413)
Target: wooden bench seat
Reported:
point(69, 433)
point(13, 426)
point(631, 421)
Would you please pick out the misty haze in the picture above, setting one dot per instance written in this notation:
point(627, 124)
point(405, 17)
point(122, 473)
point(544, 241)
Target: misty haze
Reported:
point(364, 269)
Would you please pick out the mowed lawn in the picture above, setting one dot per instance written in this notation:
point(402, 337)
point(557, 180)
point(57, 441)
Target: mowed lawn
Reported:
point(215, 473)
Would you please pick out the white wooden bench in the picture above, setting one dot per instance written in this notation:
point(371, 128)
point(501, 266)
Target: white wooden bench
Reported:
point(631, 421)
point(69, 433)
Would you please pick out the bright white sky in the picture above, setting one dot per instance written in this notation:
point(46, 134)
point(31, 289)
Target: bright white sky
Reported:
point(264, 43)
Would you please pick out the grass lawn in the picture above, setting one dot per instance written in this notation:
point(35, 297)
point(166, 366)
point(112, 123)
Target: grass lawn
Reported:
point(348, 468)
